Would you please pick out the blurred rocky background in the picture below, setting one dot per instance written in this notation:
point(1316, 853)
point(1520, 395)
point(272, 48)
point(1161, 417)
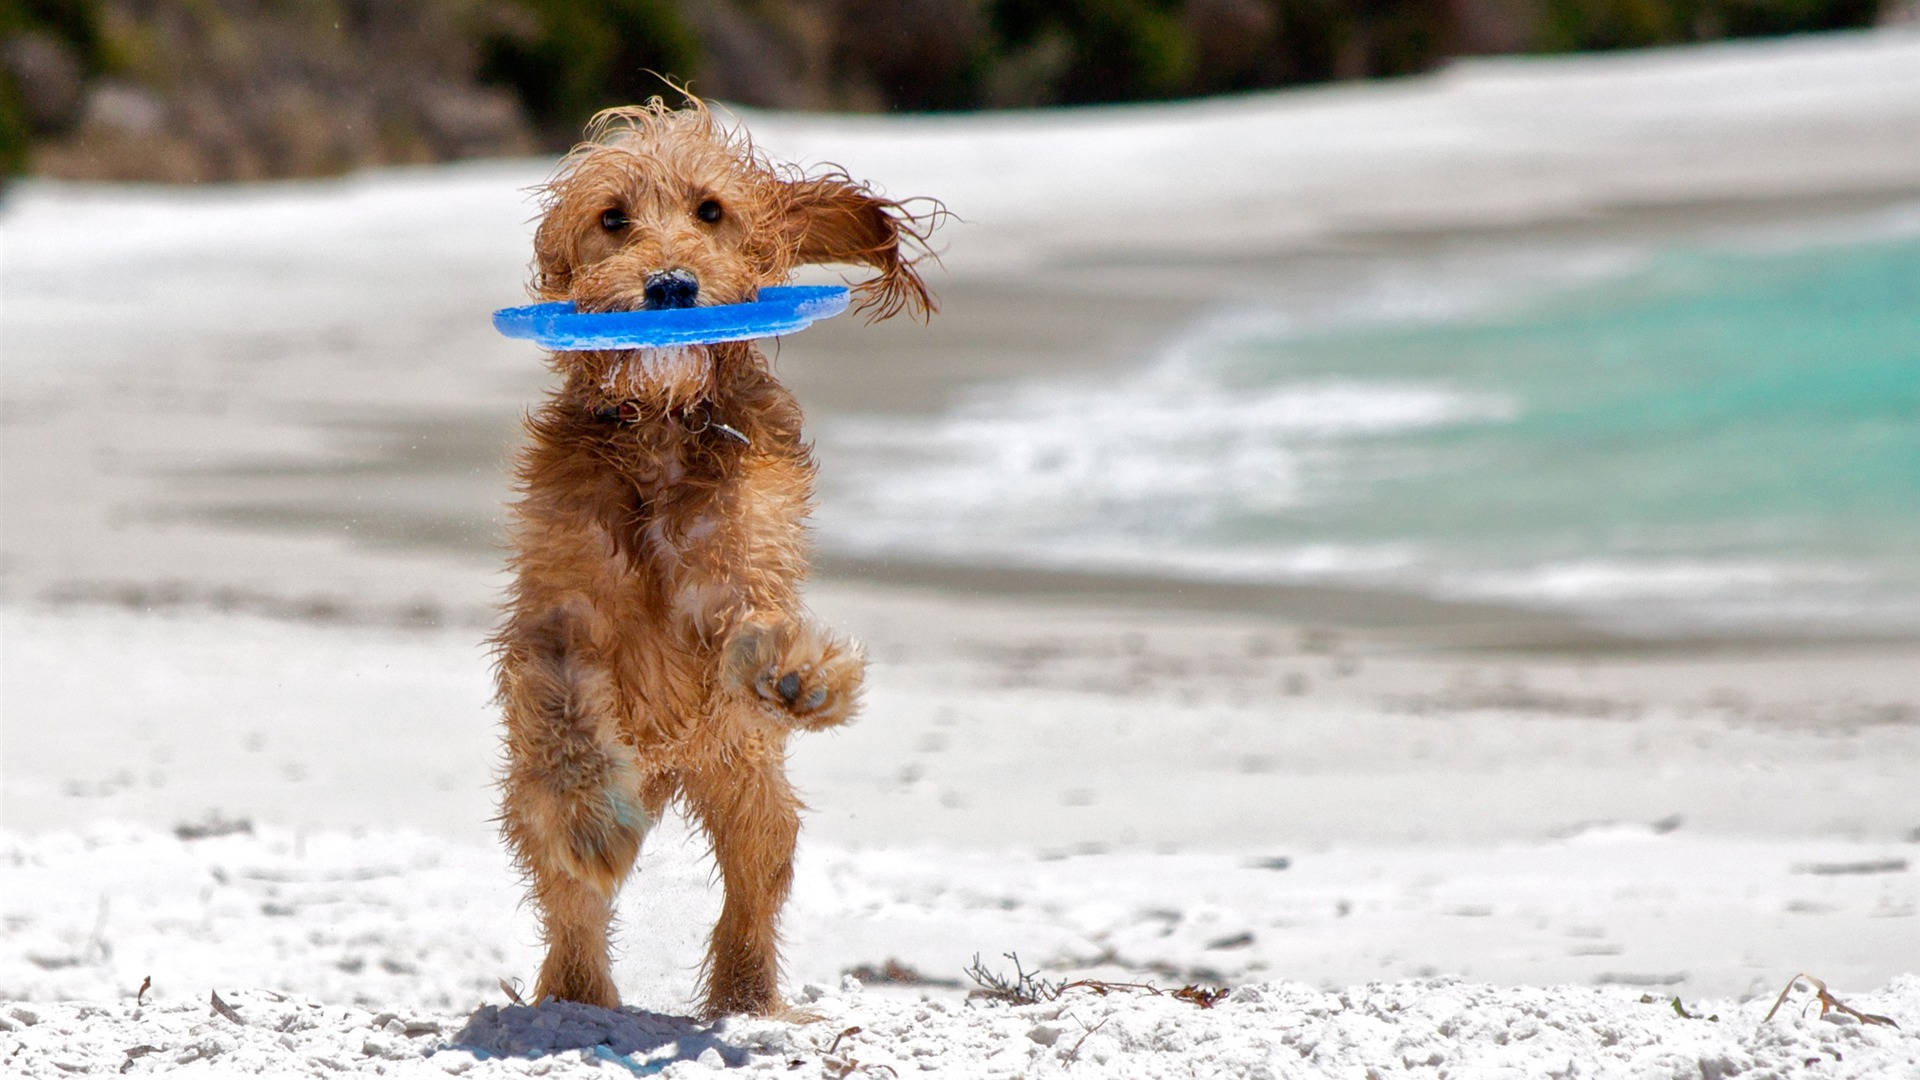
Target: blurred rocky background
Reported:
point(190, 90)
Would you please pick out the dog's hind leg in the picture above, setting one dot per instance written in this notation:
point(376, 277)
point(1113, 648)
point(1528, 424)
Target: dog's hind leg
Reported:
point(752, 817)
point(572, 810)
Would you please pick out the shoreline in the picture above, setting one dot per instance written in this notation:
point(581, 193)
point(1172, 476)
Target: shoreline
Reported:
point(1387, 619)
point(1394, 618)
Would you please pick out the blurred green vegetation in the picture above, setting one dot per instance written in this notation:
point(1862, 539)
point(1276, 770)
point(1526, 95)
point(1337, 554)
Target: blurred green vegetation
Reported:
point(208, 89)
point(1570, 25)
point(1113, 48)
point(15, 139)
point(70, 25)
point(567, 59)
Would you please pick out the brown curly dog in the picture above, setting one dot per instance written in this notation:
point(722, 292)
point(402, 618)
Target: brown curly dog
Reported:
point(654, 647)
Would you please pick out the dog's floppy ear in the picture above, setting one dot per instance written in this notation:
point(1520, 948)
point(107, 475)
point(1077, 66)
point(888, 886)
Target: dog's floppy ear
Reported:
point(582, 184)
point(832, 219)
point(553, 244)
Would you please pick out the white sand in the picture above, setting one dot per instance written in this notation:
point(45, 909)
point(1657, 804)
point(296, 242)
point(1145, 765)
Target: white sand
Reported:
point(366, 953)
point(1423, 1028)
point(1104, 797)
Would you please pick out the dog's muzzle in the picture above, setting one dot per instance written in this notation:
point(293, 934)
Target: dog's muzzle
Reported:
point(671, 289)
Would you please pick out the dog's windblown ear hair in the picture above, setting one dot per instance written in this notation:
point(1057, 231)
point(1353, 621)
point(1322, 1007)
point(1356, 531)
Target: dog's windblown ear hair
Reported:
point(582, 178)
point(834, 220)
point(553, 245)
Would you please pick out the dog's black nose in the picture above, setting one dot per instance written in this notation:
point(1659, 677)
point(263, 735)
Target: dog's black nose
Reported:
point(671, 289)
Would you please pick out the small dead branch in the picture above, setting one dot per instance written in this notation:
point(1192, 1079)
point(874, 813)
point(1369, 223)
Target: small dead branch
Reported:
point(1029, 988)
point(1025, 988)
point(835, 1064)
point(146, 984)
point(1102, 987)
point(835, 1045)
point(512, 990)
point(1074, 1054)
point(1828, 1003)
point(1200, 995)
point(225, 1009)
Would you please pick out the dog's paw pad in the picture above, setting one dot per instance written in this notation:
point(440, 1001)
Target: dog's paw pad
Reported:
point(795, 673)
point(798, 692)
point(788, 687)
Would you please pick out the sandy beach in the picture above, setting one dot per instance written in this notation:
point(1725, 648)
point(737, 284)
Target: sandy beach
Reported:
point(252, 448)
point(1116, 794)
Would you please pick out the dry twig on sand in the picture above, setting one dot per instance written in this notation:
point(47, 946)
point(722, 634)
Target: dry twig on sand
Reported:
point(1201, 995)
point(1028, 988)
point(835, 1064)
point(1025, 988)
point(225, 1009)
point(1828, 1003)
point(511, 990)
point(1074, 1054)
point(835, 1045)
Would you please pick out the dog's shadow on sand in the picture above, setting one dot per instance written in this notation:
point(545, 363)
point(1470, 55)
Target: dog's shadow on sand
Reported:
point(643, 1042)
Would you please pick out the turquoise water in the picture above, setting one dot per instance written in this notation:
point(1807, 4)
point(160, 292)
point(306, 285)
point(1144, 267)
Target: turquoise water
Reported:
point(1709, 440)
point(1753, 419)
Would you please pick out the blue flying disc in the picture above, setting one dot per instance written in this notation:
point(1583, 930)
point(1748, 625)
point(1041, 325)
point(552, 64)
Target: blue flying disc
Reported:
point(781, 309)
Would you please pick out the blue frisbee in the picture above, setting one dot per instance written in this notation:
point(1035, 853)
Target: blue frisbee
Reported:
point(781, 309)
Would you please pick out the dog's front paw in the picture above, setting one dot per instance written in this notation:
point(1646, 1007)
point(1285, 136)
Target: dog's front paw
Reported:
point(800, 674)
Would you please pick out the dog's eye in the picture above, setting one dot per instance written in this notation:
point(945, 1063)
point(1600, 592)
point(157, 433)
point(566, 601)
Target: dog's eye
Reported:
point(613, 220)
point(709, 211)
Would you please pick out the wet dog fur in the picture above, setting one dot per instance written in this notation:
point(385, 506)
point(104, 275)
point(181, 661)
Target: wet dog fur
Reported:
point(654, 650)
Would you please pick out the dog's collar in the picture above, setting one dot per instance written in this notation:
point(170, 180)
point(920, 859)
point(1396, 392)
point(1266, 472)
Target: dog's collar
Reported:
point(696, 419)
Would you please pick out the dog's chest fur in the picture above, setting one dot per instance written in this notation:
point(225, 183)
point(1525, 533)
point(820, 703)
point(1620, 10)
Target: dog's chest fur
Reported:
point(665, 519)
